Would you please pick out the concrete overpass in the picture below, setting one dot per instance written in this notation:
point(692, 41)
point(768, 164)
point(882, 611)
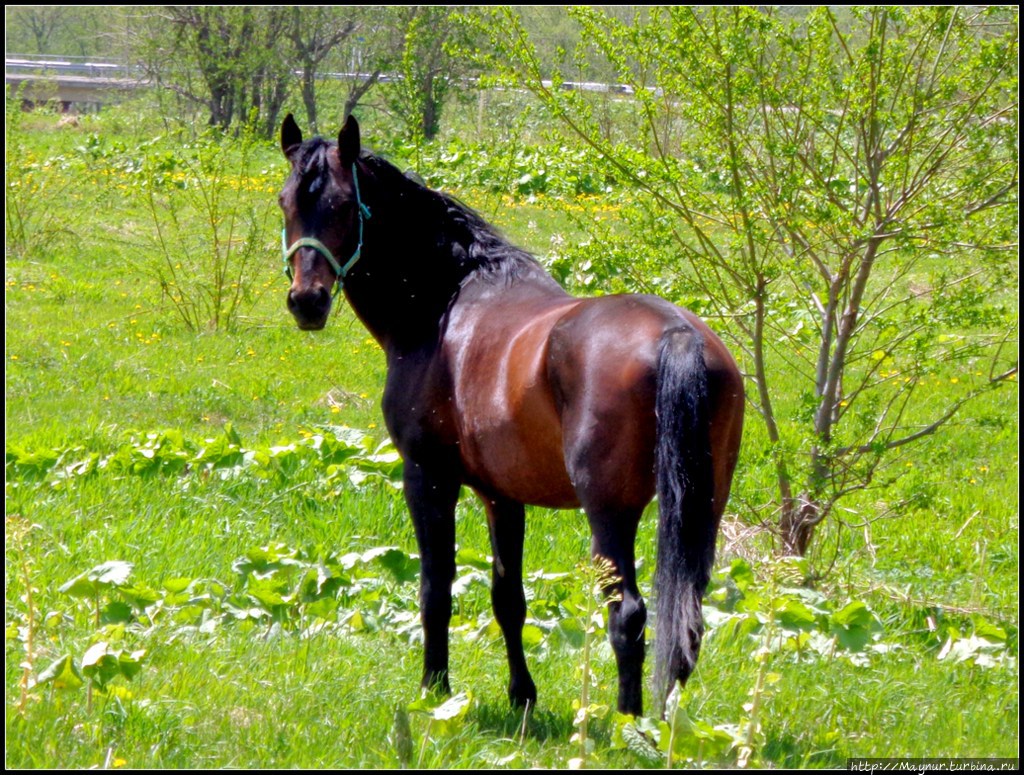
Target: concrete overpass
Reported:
point(72, 82)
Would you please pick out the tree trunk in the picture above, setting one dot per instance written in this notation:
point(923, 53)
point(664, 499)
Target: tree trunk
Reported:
point(796, 527)
point(358, 90)
point(431, 111)
point(309, 95)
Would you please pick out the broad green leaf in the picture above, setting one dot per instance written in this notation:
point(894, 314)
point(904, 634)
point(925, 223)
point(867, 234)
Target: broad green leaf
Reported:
point(855, 614)
point(100, 664)
point(793, 614)
point(109, 574)
point(116, 611)
point(404, 566)
point(63, 674)
point(852, 625)
point(445, 713)
point(983, 628)
point(176, 584)
point(130, 663)
point(466, 580)
point(39, 459)
point(533, 636)
point(473, 558)
point(453, 708)
point(741, 573)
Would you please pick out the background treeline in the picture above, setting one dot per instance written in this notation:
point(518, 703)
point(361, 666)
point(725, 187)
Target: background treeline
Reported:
point(236, 63)
point(241, 63)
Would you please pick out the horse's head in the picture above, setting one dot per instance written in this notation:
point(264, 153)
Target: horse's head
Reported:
point(323, 219)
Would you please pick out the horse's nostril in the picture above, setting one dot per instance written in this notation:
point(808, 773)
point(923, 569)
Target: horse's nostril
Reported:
point(308, 298)
point(310, 306)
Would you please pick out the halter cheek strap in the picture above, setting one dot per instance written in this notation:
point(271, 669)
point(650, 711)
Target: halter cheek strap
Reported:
point(340, 270)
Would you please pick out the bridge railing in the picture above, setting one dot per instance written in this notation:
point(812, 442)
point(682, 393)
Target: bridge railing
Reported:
point(88, 67)
point(41, 64)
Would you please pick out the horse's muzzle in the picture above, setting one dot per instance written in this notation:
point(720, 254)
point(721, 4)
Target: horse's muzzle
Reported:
point(310, 307)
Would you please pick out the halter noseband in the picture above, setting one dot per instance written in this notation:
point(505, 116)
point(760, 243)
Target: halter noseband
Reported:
point(341, 270)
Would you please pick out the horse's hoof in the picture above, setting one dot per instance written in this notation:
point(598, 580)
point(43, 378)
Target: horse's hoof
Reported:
point(522, 695)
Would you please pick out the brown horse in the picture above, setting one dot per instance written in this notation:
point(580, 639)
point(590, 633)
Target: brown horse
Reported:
point(499, 380)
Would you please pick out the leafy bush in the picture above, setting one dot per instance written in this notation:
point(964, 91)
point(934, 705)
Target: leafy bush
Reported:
point(34, 190)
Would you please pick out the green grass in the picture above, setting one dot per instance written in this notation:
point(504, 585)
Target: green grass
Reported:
point(95, 357)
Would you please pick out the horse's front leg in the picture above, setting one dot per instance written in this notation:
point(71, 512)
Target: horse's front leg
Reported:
point(431, 493)
point(507, 523)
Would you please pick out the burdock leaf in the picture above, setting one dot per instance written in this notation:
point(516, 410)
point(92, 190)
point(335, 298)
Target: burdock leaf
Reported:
point(109, 574)
point(63, 673)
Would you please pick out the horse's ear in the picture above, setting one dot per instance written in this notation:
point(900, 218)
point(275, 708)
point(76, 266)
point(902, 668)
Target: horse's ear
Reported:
point(348, 141)
point(291, 135)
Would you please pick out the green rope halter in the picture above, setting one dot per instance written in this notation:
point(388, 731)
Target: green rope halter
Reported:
point(341, 270)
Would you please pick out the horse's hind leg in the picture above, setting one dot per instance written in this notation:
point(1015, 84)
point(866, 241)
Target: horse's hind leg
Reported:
point(507, 520)
point(613, 538)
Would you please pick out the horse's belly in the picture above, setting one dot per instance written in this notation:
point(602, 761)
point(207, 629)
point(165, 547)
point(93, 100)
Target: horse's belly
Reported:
point(522, 460)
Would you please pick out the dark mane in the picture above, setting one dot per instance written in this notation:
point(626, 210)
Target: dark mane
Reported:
point(460, 233)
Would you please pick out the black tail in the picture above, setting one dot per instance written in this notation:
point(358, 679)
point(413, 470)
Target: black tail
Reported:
point(687, 525)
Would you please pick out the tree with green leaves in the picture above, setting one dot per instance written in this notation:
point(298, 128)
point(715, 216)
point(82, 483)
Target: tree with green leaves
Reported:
point(315, 32)
point(431, 65)
point(228, 60)
point(840, 194)
point(50, 29)
point(374, 52)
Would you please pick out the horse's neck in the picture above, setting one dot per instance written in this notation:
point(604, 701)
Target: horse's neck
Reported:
point(408, 282)
point(400, 305)
point(405, 317)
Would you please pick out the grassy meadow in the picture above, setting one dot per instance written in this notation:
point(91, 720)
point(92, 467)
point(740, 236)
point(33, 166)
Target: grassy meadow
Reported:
point(209, 561)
